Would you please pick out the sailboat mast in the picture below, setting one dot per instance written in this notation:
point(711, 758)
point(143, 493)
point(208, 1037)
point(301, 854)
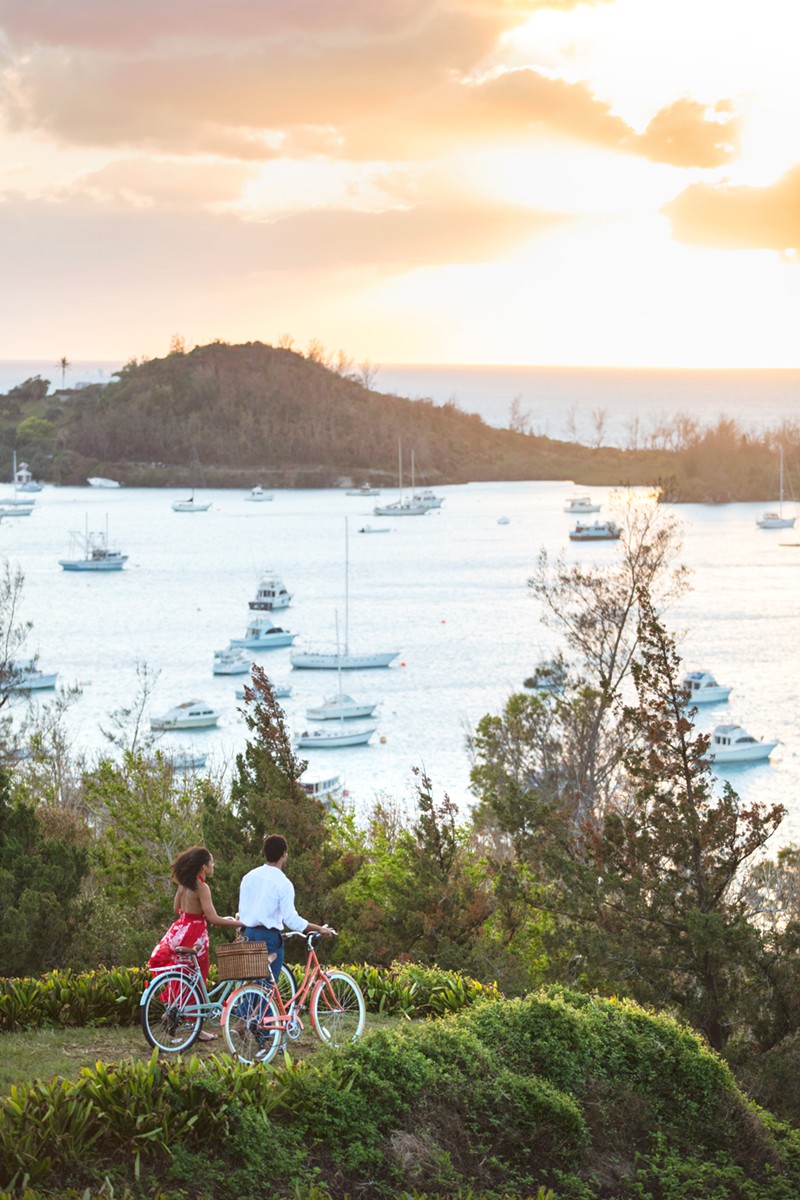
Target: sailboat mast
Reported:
point(400, 469)
point(780, 502)
point(346, 598)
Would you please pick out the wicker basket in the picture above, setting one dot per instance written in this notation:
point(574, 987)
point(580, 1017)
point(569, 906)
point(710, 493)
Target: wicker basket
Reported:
point(242, 960)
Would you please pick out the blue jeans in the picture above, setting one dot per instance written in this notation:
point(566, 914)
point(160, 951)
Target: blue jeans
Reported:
point(274, 944)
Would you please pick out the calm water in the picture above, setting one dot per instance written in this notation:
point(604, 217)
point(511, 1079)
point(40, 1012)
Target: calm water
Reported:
point(448, 591)
point(560, 402)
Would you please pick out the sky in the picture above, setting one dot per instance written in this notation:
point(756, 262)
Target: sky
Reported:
point(614, 183)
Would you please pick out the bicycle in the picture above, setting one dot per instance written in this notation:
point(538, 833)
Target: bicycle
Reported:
point(256, 1019)
point(176, 1001)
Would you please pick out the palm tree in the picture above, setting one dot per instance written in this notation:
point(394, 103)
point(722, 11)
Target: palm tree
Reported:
point(64, 364)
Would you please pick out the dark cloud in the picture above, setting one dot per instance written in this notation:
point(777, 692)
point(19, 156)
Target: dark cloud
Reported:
point(740, 218)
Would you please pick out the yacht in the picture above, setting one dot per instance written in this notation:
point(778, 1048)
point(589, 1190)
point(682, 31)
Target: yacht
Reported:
point(325, 739)
point(732, 744)
point(192, 714)
point(279, 690)
point(91, 552)
point(263, 634)
point(341, 706)
point(598, 531)
point(257, 493)
point(580, 505)
point(427, 499)
point(271, 594)
point(230, 662)
point(26, 677)
point(704, 689)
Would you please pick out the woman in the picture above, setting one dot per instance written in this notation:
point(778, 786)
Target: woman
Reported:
point(194, 909)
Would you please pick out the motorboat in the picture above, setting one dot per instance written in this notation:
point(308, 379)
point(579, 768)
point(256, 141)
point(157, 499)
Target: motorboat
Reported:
point(427, 498)
point(279, 690)
point(374, 529)
point(325, 786)
point(190, 505)
point(99, 481)
point(703, 688)
point(363, 490)
point(231, 662)
point(580, 505)
point(598, 531)
point(732, 744)
point(341, 707)
point(776, 520)
point(91, 552)
point(192, 714)
point(263, 634)
point(257, 493)
point(26, 677)
point(271, 594)
point(549, 676)
point(316, 739)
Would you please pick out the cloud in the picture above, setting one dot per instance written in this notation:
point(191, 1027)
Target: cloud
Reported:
point(740, 218)
point(688, 134)
point(176, 186)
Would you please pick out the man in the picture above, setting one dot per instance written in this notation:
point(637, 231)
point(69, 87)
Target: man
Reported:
point(266, 902)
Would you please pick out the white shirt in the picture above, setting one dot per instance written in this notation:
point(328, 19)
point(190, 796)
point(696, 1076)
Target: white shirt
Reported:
point(266, 897)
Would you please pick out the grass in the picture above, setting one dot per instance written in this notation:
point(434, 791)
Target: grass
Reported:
point(43, 1053)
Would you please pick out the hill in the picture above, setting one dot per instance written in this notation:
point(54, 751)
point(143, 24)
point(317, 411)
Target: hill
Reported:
point(231, 416)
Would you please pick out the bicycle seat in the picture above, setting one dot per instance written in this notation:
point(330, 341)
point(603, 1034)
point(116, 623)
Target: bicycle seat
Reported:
point(186, 950)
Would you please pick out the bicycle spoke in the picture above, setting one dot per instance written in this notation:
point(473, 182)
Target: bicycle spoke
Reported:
point(250, 1025)
point(337, 1009)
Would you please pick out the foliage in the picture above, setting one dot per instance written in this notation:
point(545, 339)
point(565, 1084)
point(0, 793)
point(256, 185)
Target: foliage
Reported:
point(561, 1096)
point(40, 880)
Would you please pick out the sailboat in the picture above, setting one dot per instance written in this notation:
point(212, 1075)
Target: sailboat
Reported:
point(400, 507)
point(776, 520)
point(190, 505)
point(340, 734)
point(346, 660)
point(23, 504)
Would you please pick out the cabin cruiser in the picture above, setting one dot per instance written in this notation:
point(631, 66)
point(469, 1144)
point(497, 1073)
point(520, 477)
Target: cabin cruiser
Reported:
point(598, 531)
point(192, 714)
point(704, 689)
point(263, 634)
point(271, 594)
point(732, 744)
point(230, 662)
point(580, 504)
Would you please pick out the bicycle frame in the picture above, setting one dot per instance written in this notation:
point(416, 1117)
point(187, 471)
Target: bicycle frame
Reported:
point(213, 1001)
point(289, 1020)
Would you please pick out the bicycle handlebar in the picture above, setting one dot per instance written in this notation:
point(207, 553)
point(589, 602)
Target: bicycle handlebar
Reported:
point(314, 933)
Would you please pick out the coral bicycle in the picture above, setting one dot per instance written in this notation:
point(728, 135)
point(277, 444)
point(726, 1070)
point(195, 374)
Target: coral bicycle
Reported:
point(257, 1018)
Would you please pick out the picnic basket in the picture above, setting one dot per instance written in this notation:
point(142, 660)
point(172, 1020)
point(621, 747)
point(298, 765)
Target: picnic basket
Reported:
point(242, 960)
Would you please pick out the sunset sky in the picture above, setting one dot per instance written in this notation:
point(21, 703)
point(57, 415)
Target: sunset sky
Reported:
point(451, 181)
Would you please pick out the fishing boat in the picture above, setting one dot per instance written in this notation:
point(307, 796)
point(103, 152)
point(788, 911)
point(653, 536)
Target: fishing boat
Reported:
point(598, 531)
point(270, 594)
point(776, 520)
point(581, 505)
point(263, 634)
point(91, 552)
point(230, 662)
point(192, 714)
point(342, 660)
point(732, 744)
point(702, 688)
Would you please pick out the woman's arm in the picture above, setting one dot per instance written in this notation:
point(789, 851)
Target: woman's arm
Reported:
point(210, 913)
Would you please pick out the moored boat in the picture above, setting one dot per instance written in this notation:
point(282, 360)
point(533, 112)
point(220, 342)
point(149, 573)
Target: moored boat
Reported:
point(317, 739)
point(26, 677)
point(597, 531)
point(91, 552)
point(191, 714)
point(581, 504)
point(263, 634)
point(270, 594)
point(341, 707)
point(100, 481)
point(702, 688)
point(258, 494)
point(231, 662)
point(733, 744)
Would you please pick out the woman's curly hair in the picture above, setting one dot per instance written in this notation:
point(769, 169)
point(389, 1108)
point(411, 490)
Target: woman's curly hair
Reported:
point(187, 866)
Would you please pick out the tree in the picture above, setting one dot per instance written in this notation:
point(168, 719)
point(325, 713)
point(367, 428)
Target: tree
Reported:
point(128, 728)
point(519, 421)
point(13, 631)
point(64, 365)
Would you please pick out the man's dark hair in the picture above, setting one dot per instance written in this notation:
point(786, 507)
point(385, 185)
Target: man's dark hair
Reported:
point(275, 846)
point(187, 866)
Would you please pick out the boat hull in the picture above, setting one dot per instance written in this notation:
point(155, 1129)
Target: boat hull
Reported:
point(347, 712)
point(108, 564)
point(184, 722)
point(309, 660)
point(325, 739)
point(710, 696)
point(757, 753)
point(270, 642)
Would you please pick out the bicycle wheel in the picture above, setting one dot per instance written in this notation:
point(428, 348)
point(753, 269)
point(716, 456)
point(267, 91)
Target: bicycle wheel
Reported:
point(250, 1025)
point(337, 1009)
point(286, 985)
point(171, 1012)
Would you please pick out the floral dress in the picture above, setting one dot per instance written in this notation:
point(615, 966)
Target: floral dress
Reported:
point(190, 929)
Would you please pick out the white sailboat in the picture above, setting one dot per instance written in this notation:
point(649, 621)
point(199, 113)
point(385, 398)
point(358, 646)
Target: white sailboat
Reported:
point(776, 520)
point(23, 482)
point(400, 507)
point(347, 660)
point(341, 734)
point(190, 505)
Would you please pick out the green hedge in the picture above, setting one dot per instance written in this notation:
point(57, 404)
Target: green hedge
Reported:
point(110, 996)
point(590, 1098)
